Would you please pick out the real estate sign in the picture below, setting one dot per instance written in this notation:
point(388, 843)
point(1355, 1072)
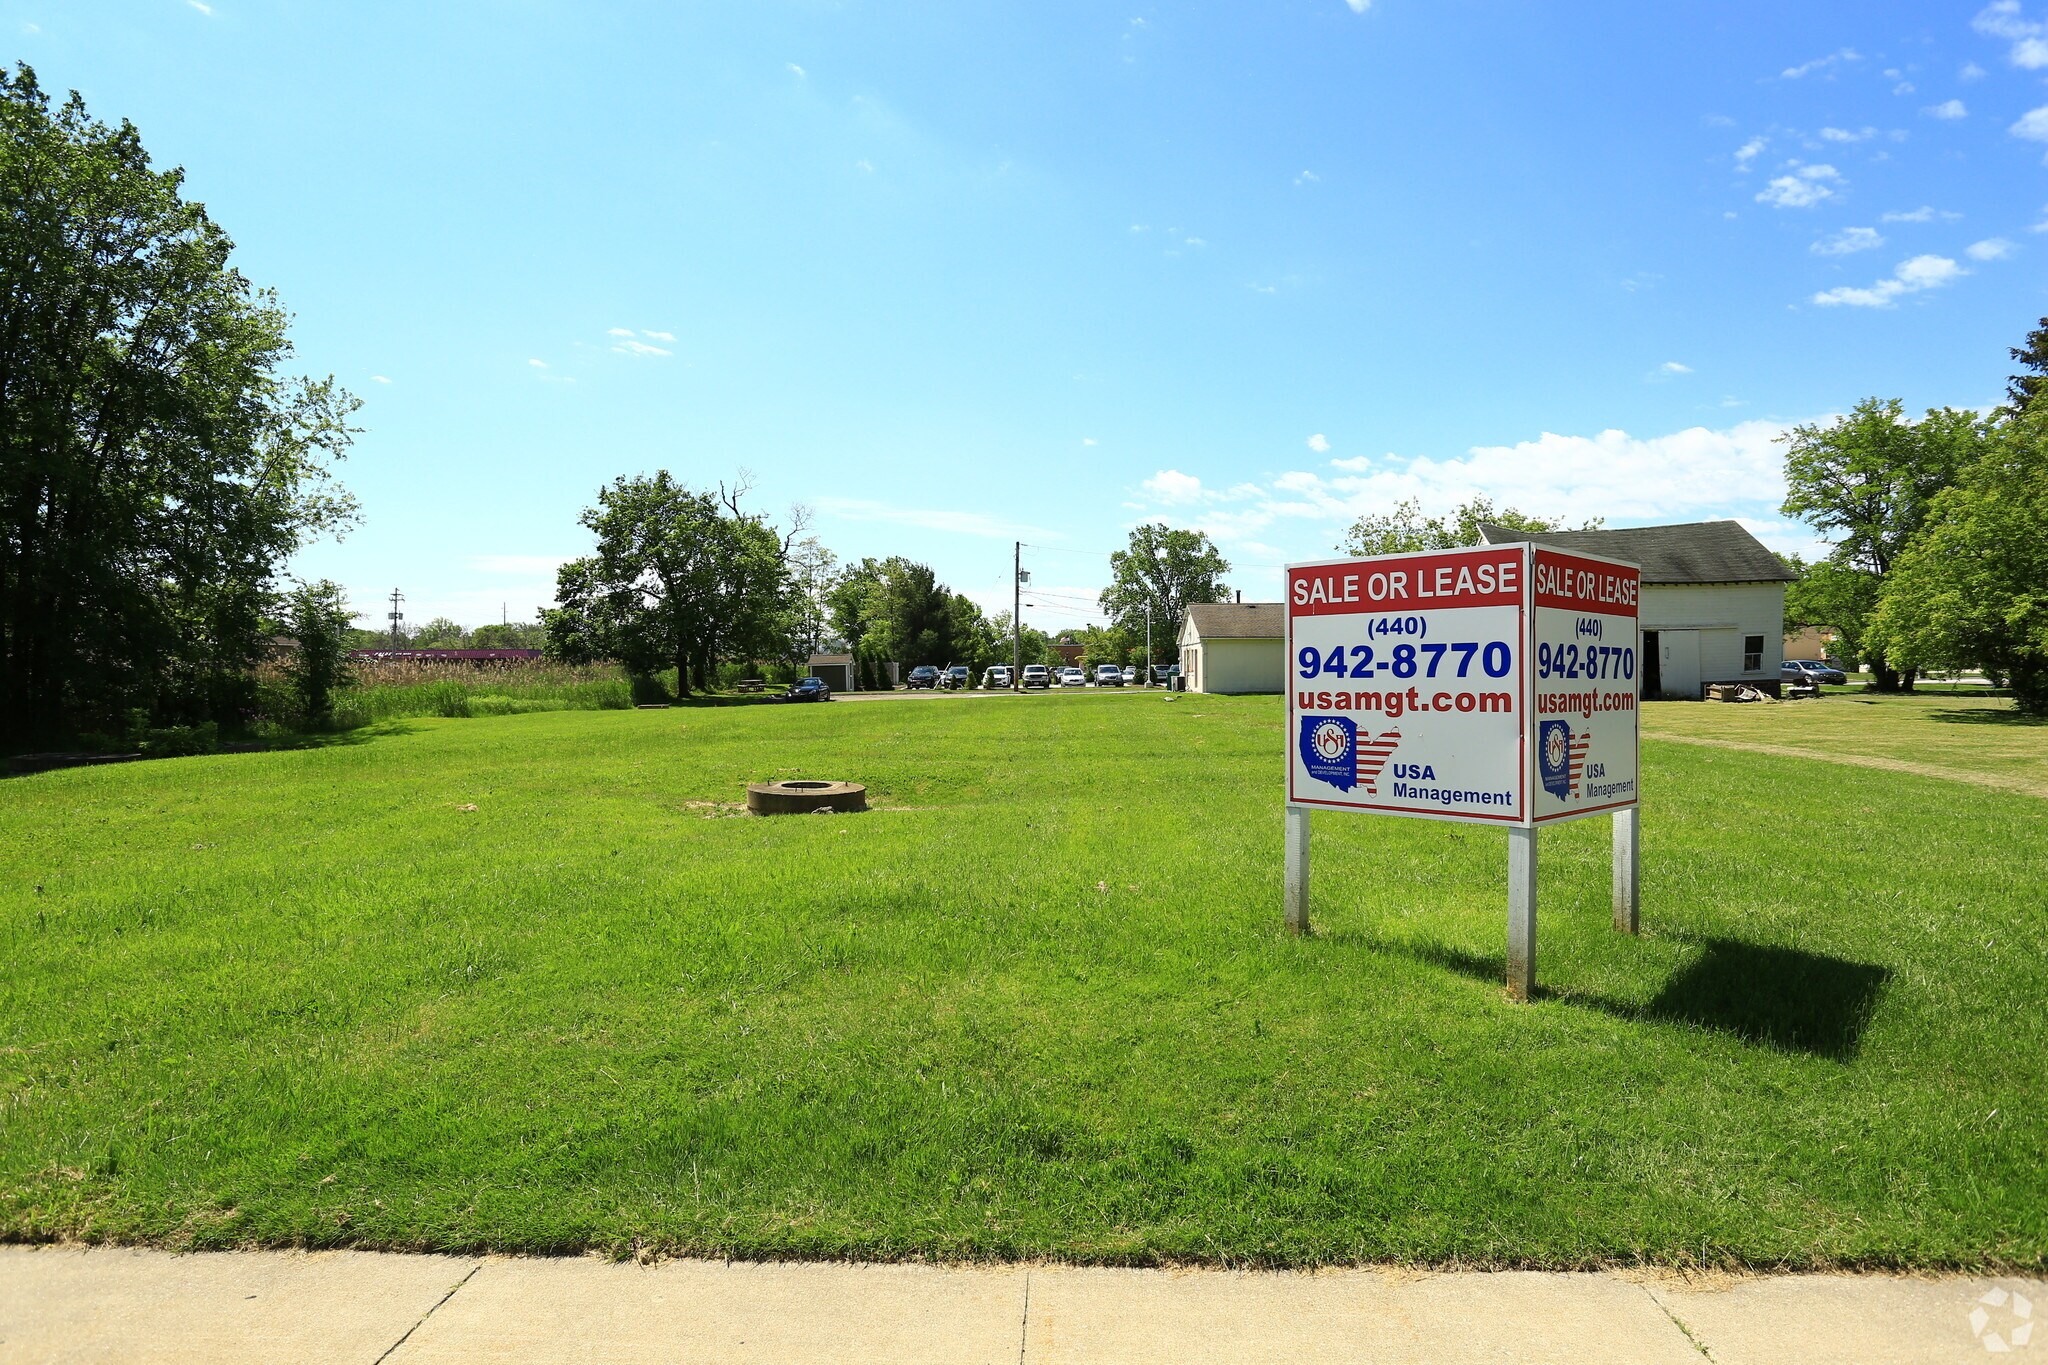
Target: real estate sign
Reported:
point(1495, 684)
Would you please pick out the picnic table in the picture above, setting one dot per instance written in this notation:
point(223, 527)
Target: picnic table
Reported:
point(753, 685)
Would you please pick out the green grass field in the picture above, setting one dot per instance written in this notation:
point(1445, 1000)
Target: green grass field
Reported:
point(525, 983)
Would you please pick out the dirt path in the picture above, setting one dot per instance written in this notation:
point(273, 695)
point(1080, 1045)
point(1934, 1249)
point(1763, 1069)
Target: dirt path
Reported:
point(1894, 765)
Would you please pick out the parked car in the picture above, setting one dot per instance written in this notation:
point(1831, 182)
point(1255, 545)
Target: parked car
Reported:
point(1037, 675)
point(1807, 670)
point(808, 689)
point(1163, 673)
point(998, 675)
point(957, 678)
point(1071, 676)
point(1130, 676)
point(923, 676)
point(1108, 675)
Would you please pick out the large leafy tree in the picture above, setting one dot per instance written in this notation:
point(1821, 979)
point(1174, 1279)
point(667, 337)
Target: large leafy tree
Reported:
point(156, 467)
point(1162, 570)
point(1972, 588)
point(913, 614)
point(1405, 529)
point(1865, 482)
point(681, 578)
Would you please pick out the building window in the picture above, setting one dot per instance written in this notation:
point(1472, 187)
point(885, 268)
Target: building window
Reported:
point(1752, 654)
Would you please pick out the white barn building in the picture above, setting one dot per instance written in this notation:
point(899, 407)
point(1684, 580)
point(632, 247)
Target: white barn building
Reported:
point(1712, 611)
point(1712, 607)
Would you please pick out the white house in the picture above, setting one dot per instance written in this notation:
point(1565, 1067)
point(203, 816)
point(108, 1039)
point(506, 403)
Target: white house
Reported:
point(1712, 610)
point(1712, 607)
point(1234, 647)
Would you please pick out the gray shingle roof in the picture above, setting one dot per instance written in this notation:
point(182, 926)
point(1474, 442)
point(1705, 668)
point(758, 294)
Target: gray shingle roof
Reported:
point(1239, 620)
point(1694, 552)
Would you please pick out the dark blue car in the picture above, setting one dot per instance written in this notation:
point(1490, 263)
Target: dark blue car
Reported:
point(808, 689)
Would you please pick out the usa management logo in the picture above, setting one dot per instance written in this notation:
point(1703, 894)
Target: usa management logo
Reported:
point(1333, 752)
point(1561, 757)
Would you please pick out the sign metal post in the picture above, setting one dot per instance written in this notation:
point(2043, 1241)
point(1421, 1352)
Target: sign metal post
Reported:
point(1491, 685)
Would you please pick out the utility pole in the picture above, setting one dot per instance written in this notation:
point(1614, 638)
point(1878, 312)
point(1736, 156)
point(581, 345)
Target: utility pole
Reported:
point(1148, 643)
point(1017, 616)
point(397, 641)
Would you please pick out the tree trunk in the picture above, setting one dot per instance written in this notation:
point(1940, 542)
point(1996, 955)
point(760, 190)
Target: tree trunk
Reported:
point(682, 674)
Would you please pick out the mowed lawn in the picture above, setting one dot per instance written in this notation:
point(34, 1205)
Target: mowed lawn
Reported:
point(524, 983)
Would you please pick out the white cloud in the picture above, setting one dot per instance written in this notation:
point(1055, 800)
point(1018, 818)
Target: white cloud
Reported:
point(1683, 476)
point(202, 7)
point(1747, 152)
point(1173, 487)
point(864, 165)
point(1359, 6)
point(381, 378)
point(2032, 125)
point(640, 348)
point(618, 331)
point(795, 70)
point(1848, 241)
point(1307, 178)
point(929, 519)
point(1970, 72)
point(1800, 190)
point(1990, 249)
point(1947, 109)
point(1921, 272)
point(1847, 135)
point(657, 336)
point(1087, 440)
point(538, 364)
point(1847, 54)
point(1196, 241)
point(1904, 88)
point(1926, 213)
point(1319, 443)
point(31, 29)
point(1673, 367)
point(2029, 37)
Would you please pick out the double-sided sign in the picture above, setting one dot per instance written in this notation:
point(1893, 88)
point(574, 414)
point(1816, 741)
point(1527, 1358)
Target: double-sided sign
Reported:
point(1495, 684)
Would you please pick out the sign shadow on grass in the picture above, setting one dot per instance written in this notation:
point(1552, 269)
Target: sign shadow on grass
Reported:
point(1785, 998)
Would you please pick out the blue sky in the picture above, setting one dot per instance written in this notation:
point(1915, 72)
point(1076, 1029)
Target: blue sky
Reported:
point(952, 275)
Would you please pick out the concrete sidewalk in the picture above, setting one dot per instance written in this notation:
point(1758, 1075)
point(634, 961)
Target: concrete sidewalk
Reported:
point(65, 1304)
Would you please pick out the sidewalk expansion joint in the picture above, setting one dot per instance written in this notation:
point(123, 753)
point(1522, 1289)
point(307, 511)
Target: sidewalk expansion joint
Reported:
point(1024, 1327)
point(429, 1313)
point(1677, 1322)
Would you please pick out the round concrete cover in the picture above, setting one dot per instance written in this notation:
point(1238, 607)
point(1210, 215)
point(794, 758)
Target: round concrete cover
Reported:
point(802, 796)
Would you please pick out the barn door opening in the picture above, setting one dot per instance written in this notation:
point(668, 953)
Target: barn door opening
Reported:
point(1652, 675)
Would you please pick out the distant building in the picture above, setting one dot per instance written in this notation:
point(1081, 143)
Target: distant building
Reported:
point(1236, 647)
point(1712, 607)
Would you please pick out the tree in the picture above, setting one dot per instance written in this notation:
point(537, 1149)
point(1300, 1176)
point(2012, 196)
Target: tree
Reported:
point(1406, 530)
point(680, 578)
point(509, 635)
point(1163, 570)
point(912, 622)
point(1832, 595)
point(318, 617)
point(810, 567)
point(156, 467)
point(1972, 588)
point(1103, 646)
point(2028, 385)
point(972, 637)
point(439, 633)
point(1865, 483)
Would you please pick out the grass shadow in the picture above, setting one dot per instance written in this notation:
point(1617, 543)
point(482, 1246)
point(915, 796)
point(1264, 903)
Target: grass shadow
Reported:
point(2009, 716)
point(1784, 998)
